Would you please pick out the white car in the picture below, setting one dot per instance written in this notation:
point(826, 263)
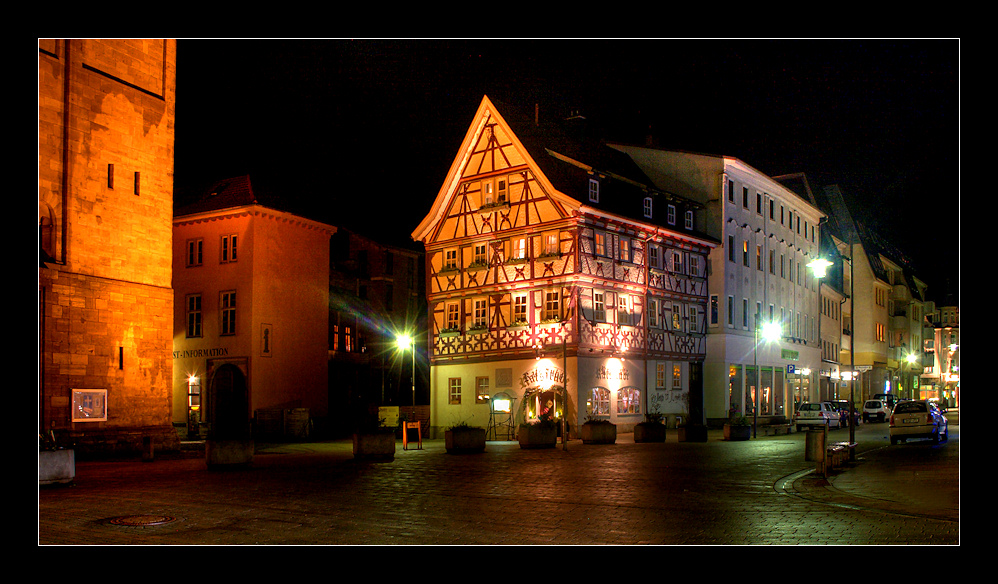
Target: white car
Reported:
point(875, 409)
point(918, 419)
point(817, 414)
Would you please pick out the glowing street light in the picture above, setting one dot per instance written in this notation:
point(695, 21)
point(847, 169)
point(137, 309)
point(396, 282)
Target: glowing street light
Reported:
point(405, 342)
point(770, 331)
point(819, 266)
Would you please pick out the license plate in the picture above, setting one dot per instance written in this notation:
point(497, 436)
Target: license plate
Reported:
point(911, 420)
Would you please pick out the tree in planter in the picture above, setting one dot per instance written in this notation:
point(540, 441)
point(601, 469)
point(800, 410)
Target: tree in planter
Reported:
point(373, 440)
point(598, 431)
point(693, 429)
point(464, 438)
point(737, 428)
point(652, 429)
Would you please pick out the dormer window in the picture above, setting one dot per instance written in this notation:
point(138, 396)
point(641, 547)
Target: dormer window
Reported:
point(648, 207)
point(672, 215)
point(689, 219)
point(593, 190)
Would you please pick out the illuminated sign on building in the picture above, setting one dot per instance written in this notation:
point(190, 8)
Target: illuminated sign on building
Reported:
point(545, 376)
point(605, 373)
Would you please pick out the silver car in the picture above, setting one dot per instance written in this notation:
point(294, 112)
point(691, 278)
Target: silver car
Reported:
point(875, 409)
point(918, 419)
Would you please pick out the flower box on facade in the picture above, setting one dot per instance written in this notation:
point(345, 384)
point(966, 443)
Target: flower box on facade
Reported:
point(450, 332)
point(540, 435)
point(598, 433)
point(649, 432)
point(464, 440)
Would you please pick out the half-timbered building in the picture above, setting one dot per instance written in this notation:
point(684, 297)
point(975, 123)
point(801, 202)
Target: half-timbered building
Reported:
point(559, 283)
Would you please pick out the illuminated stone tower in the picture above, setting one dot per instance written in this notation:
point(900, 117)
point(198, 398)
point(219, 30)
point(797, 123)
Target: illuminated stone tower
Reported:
point(106, 112)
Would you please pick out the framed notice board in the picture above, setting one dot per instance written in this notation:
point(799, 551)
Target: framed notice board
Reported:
point(89, 405)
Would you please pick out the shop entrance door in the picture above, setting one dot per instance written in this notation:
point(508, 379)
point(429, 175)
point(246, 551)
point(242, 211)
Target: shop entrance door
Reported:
point(230, 418)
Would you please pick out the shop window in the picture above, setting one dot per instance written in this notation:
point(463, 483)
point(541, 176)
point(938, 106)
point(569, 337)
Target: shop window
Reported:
point(628, 400)
point(598, 403)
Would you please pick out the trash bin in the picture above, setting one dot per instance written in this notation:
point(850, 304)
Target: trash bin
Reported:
point(814, 444)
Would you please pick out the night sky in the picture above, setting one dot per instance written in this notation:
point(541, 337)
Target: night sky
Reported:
point(327, 123)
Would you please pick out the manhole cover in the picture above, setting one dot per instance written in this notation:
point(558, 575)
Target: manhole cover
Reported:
point(141, 520)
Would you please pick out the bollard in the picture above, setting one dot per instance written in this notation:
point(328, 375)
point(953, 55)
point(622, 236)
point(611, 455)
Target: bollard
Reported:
point(147, 449)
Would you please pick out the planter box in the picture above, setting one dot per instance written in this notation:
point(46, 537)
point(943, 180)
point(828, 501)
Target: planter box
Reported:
point(537, 436)
point(464, 440)
point(56, 466)
point(379, 446)
point(691, 433)
point(737, 432)
point(228, 453)
point(598, 433)
point(649, 432)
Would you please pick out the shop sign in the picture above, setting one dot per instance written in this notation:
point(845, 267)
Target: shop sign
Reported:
point(193, 353)
point(545, 376)
point(605, 373)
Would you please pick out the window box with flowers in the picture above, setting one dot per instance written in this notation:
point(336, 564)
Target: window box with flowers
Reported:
point(450, 332)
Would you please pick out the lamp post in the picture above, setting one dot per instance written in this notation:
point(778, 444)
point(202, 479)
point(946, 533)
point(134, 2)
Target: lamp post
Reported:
point(405, 342)
point(910, 360)
point(770, 331)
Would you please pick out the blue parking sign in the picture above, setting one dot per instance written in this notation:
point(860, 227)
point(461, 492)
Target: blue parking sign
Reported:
point(790, 368)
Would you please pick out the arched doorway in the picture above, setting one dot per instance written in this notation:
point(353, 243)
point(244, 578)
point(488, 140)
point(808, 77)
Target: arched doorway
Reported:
point(229, 411)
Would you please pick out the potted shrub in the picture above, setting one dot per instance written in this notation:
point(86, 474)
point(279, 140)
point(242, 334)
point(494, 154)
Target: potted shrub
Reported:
point(540, 433)
point(737, 428)
point(374, 441)
point(652, 429)
point(463, 438)
point(597, 431)
point(693, 429)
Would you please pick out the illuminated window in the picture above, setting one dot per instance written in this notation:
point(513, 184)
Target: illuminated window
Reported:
point(628, 400)
point(453, 316)
point(347, 339)
point(520, 248)
point(481, 390)
point(229, 248)
point(552, 305)
point(660, 375)
point(228, 312)
point(551, 244)
point(624, 309)
point(625, 249)
point(598, 403)
point(481, 312)
point(677, 317)
point(454, 391)
point(450, 259)
point(195, 252)
point(520, 308)
point(193, 315)
point(745, 259)
point(599, 306)
point(599, 243)
point(677, 376)
point(488, 196)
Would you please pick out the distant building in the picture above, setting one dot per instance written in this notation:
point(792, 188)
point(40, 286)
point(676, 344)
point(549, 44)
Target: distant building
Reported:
point(251, 284)
point(769, 233)
point(556, 270)
point(376, 295)
point(106, 113)
point(940, 378)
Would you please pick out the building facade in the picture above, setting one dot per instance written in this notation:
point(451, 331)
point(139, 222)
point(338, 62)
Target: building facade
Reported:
point(250, 326)
point(940, 378)
point(377, 295)
point(106, 113)
point(559, 283)
point(759, 275)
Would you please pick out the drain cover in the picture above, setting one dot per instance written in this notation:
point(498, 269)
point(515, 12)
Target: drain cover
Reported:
point(141, 520)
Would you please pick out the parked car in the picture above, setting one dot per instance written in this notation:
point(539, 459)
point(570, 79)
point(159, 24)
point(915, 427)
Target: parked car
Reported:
point(875, 409)
point(817, 414)
point(918, 419)
point(842, 406)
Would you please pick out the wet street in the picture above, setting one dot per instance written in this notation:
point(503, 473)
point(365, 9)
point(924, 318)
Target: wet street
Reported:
point(740, 493)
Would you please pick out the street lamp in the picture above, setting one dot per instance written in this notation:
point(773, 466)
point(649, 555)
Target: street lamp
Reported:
point(405, 342)
point(770, 331)
point(910, 359)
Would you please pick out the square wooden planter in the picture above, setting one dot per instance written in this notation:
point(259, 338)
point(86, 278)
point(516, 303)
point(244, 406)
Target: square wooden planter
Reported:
point(737, 432)
point(376, 446)
point(649, 432)
point(56, 466)
point(598, 433)
point(464, 440)
point(537, 436)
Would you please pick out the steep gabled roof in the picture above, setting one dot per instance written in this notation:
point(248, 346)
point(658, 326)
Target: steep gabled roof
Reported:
point(565, 155)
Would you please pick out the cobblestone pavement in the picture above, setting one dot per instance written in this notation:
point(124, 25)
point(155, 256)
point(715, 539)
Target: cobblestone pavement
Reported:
point(738, 493)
